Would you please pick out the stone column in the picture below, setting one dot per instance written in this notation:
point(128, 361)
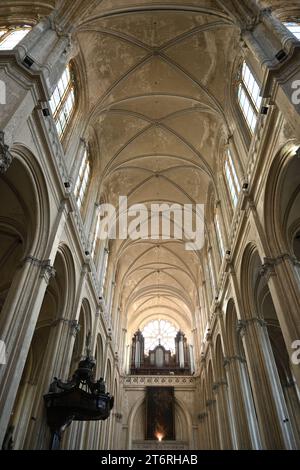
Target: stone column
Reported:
point(220, 391)
point(270, 406)
point(247, 433)
point(17, 326)
point(20, 314)
point(214, 432)
point(58, 359)
point(284, 284)
point(203, 430)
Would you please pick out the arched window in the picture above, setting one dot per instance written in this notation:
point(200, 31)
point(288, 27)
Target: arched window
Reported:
point(159, 332)
point(10, 36)
point(233, 183)
point(82, 179)
point(105, 266)
point(248, 96)
point(293, 27)
point(95, 236)
point(211, 272)
point(62, 101)
point(219, 236)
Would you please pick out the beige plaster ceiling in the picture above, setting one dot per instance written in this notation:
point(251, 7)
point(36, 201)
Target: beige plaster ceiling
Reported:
point(158, 80)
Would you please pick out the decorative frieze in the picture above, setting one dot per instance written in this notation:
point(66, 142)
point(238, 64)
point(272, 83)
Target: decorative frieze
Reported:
point(158, 380)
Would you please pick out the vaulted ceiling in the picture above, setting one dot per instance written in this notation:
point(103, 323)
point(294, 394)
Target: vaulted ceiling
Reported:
point(158, 84)
point(157, 80)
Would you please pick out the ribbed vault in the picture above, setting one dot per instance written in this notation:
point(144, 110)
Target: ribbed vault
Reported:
point(157, 99)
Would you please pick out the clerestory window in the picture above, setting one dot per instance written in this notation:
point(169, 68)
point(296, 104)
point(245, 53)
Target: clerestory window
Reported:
point(10, 36)
point(62, 101)
point(248, 96)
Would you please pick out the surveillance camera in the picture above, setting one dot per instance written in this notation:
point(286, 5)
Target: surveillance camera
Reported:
point(281, 55)
point(264, 110)
point(46, 112)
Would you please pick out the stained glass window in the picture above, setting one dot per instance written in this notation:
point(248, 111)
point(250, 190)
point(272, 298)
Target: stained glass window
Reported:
point(159, 332)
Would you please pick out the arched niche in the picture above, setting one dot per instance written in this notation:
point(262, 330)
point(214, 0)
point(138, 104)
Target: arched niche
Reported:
point(259, 306)
point(41, 364)
point(281, 208)
point(24, 219)
point(137, 424)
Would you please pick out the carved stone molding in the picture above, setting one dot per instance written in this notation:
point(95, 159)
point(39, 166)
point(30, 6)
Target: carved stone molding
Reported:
point(210, 402)
point(158, 380)
point(219, 384)
point(202, 416)
point(47, 271)
point(268, 267)
point(74, 325)
point(5, 155)
point(243, 324)
point(229, 359)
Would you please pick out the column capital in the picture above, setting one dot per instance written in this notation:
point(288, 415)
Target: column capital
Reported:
point(243, 324)
point(229, 359)
point(270, 263)
point(218, 384)
point(210, 402)
point(267, 268)
point(5, 155)
point(47, 271)
point(73, 324)
point(202, 416)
